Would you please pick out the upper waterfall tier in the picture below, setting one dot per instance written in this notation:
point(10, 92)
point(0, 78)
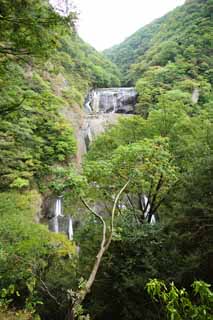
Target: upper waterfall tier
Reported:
point(111, 100)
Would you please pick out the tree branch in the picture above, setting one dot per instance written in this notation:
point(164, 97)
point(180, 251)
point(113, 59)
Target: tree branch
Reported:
point(12, 108)
point(113, 214)
point(103, 248)
point(152, 203)
point(100, 218)
point(44, 287)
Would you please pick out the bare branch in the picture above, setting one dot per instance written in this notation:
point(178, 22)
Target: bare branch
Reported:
point(103, 248)
point(113, 213)
point(100, 218)
point(46, 289)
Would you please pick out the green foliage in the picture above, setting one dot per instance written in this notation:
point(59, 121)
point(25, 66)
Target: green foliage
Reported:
point(16, 315)
point(132, 151)
point(31, 256)
point(183, 34)
point(177, 302)
point(67, 180)
point(166, 155)
point(23, 22)
point(39, 78)
point(83, 66)
point(33, 138)
point(34, 135)
point(127, 53)
point(172, 53)
point(119, 292)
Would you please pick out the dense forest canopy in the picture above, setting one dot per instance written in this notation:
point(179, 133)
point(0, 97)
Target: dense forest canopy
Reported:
point(142, 200)
point(40, 75)
point(182, 37)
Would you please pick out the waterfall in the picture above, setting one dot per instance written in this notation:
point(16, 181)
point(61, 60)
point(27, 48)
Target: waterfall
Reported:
point(95, 101)
point(57, 214)
point(111, 100)
point(88, 100)
point(195, 95)
point(87, 107)
point(58, 207)
point(58, 222)
point(70, 229)
point(103, 107)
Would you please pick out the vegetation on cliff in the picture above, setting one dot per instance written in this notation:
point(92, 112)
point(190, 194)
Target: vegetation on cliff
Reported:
point(180, 41)
point(39, 76)
point(155, 166)
point(44, 67)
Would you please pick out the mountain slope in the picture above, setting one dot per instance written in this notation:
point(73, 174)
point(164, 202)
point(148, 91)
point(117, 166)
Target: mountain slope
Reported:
point(127, 53)
point(44, 68)
point(40, 76)
point(184, 33)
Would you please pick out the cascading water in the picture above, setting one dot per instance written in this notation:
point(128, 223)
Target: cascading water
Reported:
point(57, 214)
point(103, 107)
point(59, 222)
point(58, 207)
point(111, 100)
point(70, 229)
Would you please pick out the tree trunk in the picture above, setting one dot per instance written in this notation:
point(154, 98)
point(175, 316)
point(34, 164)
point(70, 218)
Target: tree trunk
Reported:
point(105, 243)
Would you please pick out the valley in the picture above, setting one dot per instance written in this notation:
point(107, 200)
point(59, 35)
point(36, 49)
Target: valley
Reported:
point(106, 165)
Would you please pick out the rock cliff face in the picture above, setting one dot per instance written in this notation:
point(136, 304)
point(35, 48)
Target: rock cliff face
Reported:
point(111, 100)
point(96, 124)
point(102, 108)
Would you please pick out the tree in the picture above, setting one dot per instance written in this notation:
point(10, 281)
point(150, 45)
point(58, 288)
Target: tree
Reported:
point(177, 303)
point(147, 164)
point(23, 22)
point(31, 257)
point(78, 297)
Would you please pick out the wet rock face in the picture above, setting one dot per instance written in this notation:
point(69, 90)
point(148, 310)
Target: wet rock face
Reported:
point(95, 124)
point(48, 207)
point(104, 107)
point(54, 217)
point(61, 224)
point(111, 100)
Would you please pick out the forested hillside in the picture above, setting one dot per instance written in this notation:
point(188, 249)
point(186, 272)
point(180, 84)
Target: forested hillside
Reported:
point(166, 152)
point(142, 202)
point(40, 75)
point(44, 67)
point(181, 39)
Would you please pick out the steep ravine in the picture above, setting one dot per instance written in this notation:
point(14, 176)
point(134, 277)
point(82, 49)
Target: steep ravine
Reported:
point(102, 107)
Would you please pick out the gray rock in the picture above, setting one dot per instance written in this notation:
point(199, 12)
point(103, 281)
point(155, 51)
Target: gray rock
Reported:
point(111, 100)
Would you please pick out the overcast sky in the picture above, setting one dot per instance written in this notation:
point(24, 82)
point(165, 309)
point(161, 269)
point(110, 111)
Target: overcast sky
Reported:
point(104, 23)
